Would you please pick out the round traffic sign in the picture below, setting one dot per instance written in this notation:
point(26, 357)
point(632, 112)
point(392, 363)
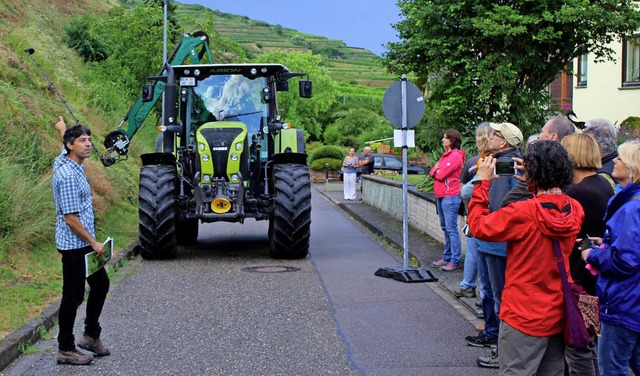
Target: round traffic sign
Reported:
point(392, 104)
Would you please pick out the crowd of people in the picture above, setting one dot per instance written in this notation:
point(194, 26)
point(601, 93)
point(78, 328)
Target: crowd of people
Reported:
point(570, 188)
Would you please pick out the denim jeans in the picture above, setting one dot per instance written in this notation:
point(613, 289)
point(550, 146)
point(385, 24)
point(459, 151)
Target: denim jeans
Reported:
point(618, 350)
point(448, 212)
point(470, 271)
point(496, 266)
point(73, 277)
point(491, 323)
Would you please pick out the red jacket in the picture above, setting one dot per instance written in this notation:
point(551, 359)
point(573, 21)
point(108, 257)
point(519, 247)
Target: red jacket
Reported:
point(447, 175)
point(532, 299)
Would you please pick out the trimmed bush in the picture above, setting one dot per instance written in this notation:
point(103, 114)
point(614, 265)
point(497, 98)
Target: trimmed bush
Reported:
point(629, 129)
point(328, 151)
point(319, 164)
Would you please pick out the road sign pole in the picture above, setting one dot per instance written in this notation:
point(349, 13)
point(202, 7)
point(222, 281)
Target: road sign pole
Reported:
point(404, 114)
point(405, 198)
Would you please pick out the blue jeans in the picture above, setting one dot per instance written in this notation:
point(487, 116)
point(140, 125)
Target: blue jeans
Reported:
point(470, 271)
point(618, 350)
point(448, 212)
point(496, 266)
point(491, 322)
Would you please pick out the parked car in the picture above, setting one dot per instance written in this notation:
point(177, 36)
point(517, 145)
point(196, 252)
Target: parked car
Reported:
point(388, 162)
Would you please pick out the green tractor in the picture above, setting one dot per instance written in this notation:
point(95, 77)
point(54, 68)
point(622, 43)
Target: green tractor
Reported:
point(223, 154)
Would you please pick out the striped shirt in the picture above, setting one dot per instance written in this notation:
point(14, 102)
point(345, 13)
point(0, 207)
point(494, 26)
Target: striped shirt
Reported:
point(71, 194)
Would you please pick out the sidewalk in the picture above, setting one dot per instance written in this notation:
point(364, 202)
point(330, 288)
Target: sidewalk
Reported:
point(421, 247)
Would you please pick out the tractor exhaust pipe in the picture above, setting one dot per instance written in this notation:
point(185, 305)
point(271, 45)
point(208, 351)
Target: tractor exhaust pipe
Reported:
point(106, 160)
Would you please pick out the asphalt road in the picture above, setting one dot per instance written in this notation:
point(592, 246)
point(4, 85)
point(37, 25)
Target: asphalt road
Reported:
point(223, 307)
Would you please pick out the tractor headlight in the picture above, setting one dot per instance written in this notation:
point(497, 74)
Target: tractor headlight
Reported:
point(206, 178)
point(238, 146)
point(234, 178)
point(234, 157)
point(205, 157)
point(201, 146)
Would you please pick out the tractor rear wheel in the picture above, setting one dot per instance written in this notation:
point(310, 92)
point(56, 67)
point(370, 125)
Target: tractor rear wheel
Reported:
point(157, 211)
point(290, 225)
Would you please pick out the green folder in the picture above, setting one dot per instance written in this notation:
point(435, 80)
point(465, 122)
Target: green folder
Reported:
point(94, 263)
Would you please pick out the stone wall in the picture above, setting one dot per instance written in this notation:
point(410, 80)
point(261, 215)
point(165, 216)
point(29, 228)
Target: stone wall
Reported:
point(386, 195)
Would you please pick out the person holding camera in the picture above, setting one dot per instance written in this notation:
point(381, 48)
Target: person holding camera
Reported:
point(350, 174)
point(532, 305)
point(504, 141)
point(616, 260)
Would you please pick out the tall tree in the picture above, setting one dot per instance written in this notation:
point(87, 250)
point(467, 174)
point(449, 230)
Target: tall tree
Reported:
point(174, 27)
point(493, 60)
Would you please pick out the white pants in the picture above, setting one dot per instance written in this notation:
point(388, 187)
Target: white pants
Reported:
point(349, 186)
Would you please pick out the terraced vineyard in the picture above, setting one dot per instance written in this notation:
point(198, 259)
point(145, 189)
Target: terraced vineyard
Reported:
point(351, 65)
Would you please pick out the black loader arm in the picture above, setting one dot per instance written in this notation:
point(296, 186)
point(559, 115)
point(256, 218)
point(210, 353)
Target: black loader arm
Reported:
point(117, 142)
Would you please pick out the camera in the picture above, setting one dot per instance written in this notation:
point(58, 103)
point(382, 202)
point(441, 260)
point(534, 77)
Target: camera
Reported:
point(505, 168)
point(586, 243)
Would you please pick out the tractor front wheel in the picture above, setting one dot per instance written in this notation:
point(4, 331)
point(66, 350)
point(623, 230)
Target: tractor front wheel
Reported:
point(290, 225)
point(157, 211)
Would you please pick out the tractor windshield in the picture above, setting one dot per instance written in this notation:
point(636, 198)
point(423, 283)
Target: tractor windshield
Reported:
point(233, 97)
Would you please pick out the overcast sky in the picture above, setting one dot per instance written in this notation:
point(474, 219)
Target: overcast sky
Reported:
point(359, 23)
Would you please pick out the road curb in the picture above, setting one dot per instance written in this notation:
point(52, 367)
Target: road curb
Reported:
point(29, 333)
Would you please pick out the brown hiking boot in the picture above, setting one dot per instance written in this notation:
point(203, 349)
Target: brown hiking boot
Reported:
point(469, 292)
point(75, 357)
point(94, 345)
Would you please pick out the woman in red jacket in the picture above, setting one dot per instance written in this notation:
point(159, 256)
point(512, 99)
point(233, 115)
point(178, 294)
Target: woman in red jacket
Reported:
point(532, 310)
point(446, 173)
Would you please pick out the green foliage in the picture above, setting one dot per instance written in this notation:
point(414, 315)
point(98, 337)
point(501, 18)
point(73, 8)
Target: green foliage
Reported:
point(112, 37)
point(320, 164)
point(349, 124)
point(629, 129)
point(493, 61)
point(303, 113)
point(328, 151)
point(426, 185)
point(79, 37)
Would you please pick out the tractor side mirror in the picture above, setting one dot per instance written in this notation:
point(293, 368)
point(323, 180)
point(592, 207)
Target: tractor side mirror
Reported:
point(306, 89)
point(147, 92)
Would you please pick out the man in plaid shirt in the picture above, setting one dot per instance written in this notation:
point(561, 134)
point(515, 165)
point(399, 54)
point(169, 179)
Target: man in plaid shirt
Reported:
point(75, 237)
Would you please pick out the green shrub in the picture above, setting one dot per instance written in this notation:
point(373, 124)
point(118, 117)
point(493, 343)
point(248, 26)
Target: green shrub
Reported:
point(319, 164)
point(629, 129)
point(328, 151)
point(313, 146)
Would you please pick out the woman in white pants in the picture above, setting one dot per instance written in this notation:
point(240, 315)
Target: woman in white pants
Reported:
point(350, 173)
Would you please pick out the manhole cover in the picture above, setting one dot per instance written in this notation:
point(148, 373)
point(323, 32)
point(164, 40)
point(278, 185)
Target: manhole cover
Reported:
point(270, 269)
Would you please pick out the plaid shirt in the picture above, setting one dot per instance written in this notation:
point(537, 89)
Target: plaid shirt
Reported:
point(71, 194)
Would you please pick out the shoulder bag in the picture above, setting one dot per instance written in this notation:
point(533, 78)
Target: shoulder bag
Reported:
point(582, 311)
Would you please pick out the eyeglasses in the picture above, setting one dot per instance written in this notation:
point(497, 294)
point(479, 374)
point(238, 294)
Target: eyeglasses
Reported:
point(496, 134)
